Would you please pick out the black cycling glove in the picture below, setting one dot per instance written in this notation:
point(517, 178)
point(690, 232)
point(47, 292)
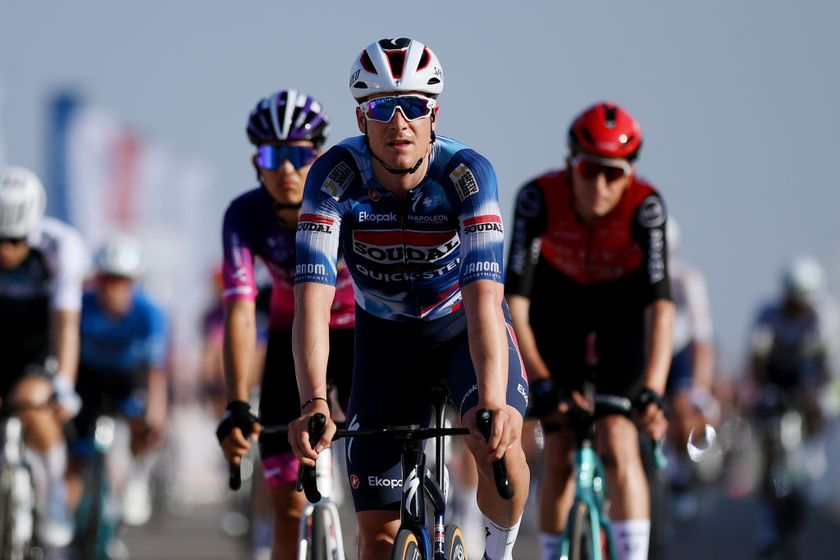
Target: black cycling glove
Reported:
point(238, 415)
point(544, 397)
point(648, 396)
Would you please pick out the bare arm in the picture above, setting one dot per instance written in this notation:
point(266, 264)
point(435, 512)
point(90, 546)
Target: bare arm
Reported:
point(311, 338)
point(520, 307)
point(239, 347)
point(311, 348)
point(488, 340)
point(704, 359)
point(660, 333)
point(65, 340)
point(157, 399)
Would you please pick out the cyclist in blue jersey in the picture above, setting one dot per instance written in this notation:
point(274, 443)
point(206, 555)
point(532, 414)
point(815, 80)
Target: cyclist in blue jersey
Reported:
point(417, 219)
point(122, 367)
point(287, 130)
point(42, 265)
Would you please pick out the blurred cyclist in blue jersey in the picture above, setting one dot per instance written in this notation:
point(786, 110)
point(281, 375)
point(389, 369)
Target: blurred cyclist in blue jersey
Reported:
point(122, 367)
point(417, 219)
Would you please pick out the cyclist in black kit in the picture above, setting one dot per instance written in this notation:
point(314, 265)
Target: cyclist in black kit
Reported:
point(42, 265)
point(589, 292)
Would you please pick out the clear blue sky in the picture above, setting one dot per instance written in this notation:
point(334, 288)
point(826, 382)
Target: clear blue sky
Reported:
point(738, 101)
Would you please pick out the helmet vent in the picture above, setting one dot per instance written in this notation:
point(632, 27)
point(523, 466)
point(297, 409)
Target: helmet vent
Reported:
point(587, 136)
point(424, 60)
point(433, 81)
point(367, 64)
point(609, 115)
point(360, 85)
point(396, 60)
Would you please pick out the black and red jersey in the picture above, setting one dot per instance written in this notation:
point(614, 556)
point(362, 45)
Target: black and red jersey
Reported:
point(589, 279)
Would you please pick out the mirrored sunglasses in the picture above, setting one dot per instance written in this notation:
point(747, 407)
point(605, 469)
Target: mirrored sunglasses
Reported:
point(612, 169)
point(272, 157)
point(413, 107)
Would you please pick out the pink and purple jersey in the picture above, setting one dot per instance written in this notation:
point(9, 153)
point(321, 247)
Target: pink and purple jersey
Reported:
point(251, 229)
point(408, 258)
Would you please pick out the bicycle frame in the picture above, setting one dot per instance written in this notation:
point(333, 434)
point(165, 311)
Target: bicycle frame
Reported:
point(418, 487)
point(589, 489)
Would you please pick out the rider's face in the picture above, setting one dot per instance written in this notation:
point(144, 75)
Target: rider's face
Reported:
point(12, 252)
point(597, 188)
point(399, 142)
point(285, 184)
point(115, 293)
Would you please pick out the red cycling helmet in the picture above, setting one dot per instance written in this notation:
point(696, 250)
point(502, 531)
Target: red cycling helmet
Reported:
point(606, 130)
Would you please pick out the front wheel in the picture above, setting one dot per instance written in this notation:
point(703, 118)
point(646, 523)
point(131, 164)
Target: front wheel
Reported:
point(454, 542)
point(580, 536)
point(406, 546)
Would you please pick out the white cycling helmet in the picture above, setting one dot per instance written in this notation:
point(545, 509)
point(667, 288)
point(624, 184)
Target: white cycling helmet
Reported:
point(22, 201)
point(803, 279)
point(119, 256)
point(398, 65)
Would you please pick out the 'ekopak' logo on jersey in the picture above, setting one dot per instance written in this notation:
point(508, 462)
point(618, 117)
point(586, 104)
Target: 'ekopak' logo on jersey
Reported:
point(377, 218)
point(405, 246)
point(315, 223)
point(483, 224)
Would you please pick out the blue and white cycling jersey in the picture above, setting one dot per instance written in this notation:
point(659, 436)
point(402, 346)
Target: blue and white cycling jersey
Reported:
point(122, 345)
point(408, 258)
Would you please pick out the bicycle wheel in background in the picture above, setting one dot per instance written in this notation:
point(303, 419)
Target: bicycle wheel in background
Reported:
point(323, 540)
point(17, 511)
point(454, 539)
point(580, 536)
point(406, 546)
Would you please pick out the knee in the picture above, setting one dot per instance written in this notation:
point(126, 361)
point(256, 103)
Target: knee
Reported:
point(32, 390)
point(557, 457)
point(377, 530)
point(287, 501)
point(619, 446)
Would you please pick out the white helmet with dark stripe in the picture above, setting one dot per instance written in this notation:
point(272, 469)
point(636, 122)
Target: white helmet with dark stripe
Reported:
point(22, 202)
point(398, 65)
point(288, 115)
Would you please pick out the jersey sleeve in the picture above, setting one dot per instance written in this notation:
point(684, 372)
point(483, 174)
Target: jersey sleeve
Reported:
point(157, 341)
point(319, 227)
point(238, 266)
point(481, 230)
point(529, 223)
point(71, 265)
point(649, 230)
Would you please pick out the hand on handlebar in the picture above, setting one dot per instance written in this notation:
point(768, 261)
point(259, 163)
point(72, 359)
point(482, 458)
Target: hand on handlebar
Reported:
point(651, 414)
point(505, 429)
point(299, 434)
point(237, 429)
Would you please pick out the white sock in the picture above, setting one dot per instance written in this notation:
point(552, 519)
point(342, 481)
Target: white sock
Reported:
point(500, 540)
point(55, 459)
point(550, 545)
point(632, 538)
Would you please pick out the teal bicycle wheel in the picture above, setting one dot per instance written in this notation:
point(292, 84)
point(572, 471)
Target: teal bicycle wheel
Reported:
point(581, 536)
